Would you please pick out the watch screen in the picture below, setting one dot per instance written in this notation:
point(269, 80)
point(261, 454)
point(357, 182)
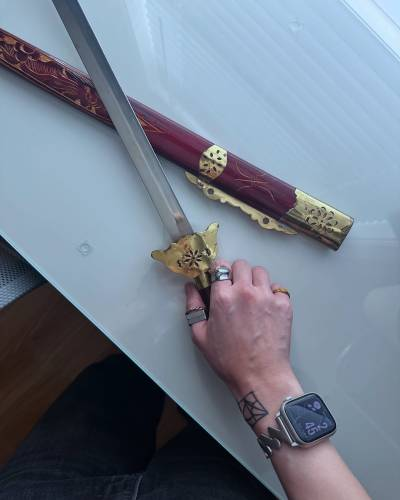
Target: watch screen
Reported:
point(310, 418)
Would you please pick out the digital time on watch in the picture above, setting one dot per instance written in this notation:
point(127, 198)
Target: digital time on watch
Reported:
point(302, 421)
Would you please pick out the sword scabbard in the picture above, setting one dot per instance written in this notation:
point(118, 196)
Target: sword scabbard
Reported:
point(273, 203)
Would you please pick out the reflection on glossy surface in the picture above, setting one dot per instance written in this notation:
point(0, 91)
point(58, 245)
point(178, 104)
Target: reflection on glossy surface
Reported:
point(300, 88)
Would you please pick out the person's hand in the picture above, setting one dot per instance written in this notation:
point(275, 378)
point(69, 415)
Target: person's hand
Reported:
point(246, 339)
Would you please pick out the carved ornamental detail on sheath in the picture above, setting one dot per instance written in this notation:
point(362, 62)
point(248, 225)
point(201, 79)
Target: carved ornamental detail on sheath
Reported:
point(41, 68)
point(213, 161)
point(254, 179)
point(57, 78)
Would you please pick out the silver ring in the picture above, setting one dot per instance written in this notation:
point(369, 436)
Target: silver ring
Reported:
point(221, 273)
point(195, 315)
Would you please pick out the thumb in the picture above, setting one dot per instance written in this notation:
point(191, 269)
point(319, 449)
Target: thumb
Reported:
point(193, 301)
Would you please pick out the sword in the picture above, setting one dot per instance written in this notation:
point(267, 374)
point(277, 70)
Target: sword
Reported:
point(190, 253)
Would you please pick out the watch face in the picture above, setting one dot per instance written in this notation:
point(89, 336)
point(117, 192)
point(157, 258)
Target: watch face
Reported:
point(310, 417)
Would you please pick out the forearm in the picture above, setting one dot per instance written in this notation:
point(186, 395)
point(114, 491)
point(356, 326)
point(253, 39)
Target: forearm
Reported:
point(305, 473)
point(247, 341)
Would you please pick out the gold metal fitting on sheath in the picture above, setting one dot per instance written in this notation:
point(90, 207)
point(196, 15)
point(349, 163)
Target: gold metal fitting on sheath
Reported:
point(213, 161)
point(213, 193)
point(192, 255)
point(318, 220)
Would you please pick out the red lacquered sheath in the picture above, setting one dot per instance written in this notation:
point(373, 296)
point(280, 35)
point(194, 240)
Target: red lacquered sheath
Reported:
point(220, 174)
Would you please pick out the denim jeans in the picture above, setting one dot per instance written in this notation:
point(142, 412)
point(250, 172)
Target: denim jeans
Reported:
point(97, 441)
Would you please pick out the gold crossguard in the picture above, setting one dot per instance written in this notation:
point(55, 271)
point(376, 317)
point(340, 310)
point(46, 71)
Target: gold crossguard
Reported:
point(192, 255)
point(213, 193)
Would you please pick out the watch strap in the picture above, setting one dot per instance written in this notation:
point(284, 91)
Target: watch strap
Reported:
point(269, 443)
point(273, 438)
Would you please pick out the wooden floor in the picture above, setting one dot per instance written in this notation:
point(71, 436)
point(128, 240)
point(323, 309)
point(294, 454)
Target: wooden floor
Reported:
point(44, 343)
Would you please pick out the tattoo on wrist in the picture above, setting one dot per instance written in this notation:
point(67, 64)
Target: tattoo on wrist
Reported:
point(251, 408)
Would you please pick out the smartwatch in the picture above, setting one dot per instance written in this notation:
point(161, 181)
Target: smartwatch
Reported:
point(302, 421)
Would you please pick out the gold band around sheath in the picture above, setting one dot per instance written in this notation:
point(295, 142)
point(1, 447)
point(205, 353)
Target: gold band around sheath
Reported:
point(281, 290)
point(318, 220)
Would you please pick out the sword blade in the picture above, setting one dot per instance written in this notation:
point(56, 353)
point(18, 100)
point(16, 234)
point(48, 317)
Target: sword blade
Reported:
point(124, 118)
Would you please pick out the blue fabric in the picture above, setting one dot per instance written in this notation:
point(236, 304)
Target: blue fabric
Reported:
point(97, 441)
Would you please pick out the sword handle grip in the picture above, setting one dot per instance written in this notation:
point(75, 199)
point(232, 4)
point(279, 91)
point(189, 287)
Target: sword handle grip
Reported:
point(205, 294)
point(203, 285)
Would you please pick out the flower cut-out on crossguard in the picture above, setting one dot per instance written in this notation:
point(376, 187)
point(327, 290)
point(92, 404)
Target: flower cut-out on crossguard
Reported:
point(192, 255)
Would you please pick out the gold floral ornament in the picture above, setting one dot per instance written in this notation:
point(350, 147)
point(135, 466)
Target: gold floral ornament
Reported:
point(321, 219)
point(213, 161)
point(318, 219)
point(192, 255)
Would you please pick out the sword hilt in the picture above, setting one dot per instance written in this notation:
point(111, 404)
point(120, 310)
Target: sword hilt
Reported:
point(192, 257)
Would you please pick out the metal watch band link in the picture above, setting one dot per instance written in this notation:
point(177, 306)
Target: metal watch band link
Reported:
point(272, 439)
point(268, 443)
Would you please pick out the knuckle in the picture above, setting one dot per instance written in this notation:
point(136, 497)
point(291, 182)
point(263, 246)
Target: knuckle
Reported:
point(222, 298)
point(283, 305)
point(260, 269)
point(247, 293)
point(219, 263)
point(240, 262)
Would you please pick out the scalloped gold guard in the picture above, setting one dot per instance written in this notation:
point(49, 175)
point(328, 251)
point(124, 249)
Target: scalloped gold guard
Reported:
point(192, 255)
point(213, 193)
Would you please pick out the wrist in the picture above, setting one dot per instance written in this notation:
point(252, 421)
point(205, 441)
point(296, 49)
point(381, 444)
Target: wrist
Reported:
point(268, 393)
point(273, 381)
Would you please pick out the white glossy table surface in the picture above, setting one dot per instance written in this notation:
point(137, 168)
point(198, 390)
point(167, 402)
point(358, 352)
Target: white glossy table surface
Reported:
point(300, 88)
